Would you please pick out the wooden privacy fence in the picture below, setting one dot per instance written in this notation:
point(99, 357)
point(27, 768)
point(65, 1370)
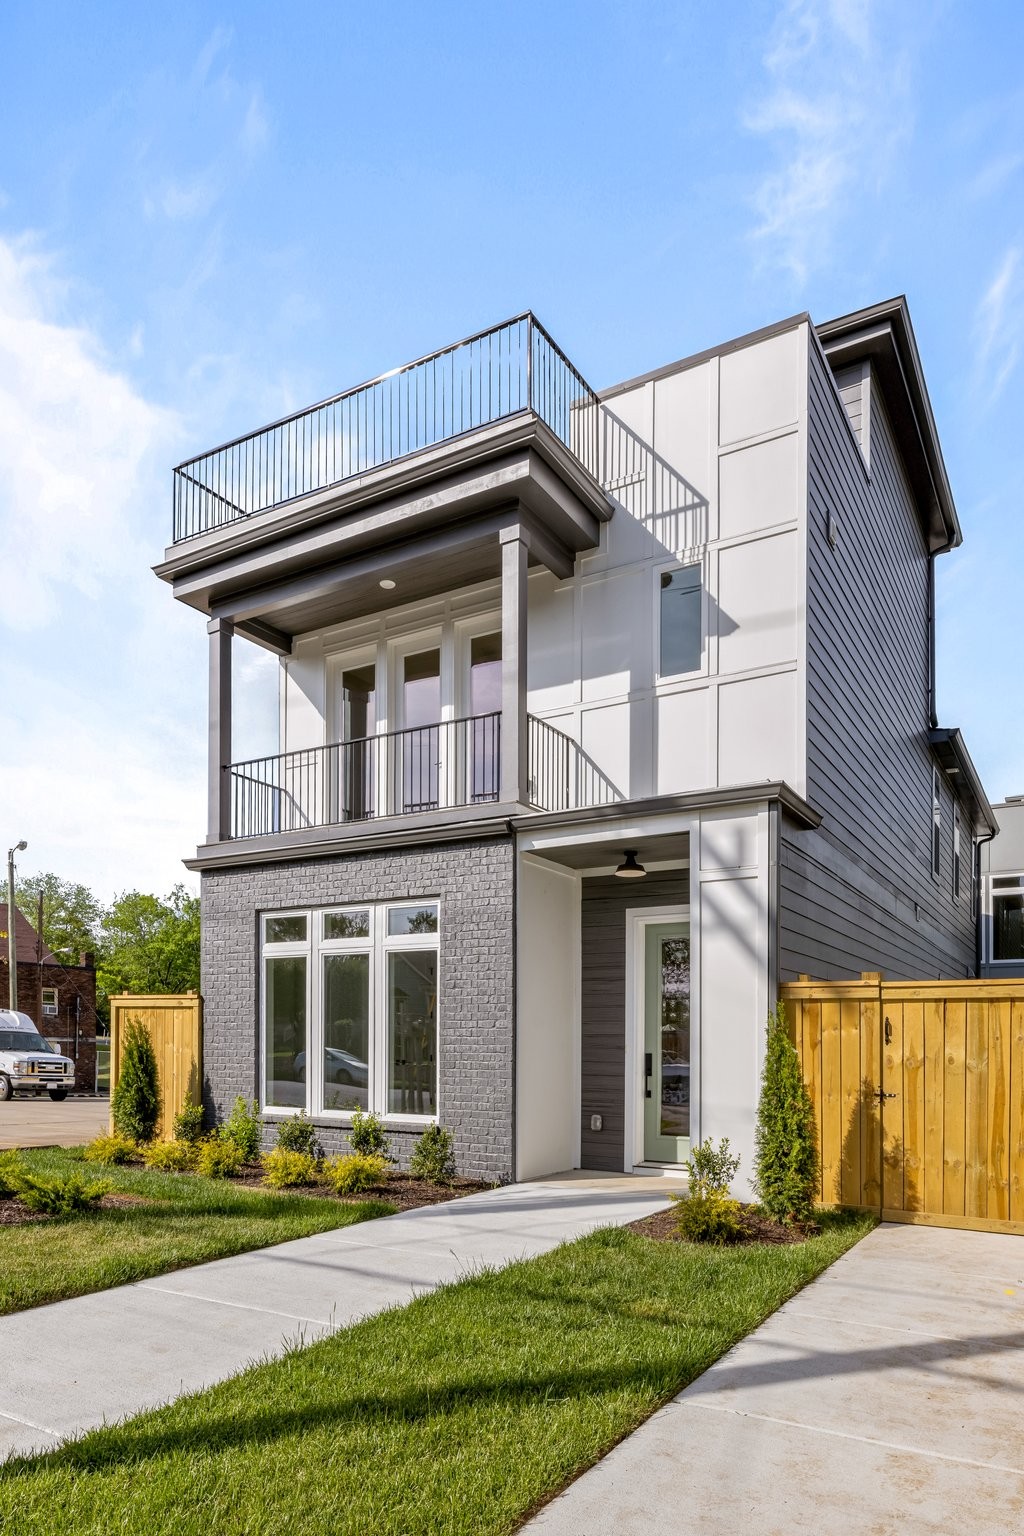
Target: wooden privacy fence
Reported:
point(175, 1025)
point(918, 1091)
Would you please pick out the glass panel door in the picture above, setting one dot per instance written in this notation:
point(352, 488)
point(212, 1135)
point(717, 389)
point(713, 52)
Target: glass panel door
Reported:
point(420, 741)
point(667, 1042)
point(358, 727)
point(485, 700)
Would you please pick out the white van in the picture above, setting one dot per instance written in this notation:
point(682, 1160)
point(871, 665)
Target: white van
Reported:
point(27, 1063)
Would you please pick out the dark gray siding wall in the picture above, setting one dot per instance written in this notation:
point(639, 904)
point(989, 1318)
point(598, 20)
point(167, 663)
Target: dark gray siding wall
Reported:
point(850, 382)
point(858, 894)
point(603, 905)
point(476, 996)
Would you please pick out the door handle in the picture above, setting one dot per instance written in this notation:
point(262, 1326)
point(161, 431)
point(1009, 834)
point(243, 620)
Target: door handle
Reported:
point(648, 1073)
point(888, 1032)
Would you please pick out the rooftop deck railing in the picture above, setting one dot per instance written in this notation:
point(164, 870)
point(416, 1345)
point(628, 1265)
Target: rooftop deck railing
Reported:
point(487, 378)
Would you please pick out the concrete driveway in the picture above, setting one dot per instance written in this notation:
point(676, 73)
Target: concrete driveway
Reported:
point(43, 1123)
point(887, 1397)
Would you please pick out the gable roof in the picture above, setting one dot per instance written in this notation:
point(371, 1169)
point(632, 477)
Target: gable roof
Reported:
point(883, 334)
point(25, 940)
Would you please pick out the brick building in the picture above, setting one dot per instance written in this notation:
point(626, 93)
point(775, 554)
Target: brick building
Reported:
point(60, 999)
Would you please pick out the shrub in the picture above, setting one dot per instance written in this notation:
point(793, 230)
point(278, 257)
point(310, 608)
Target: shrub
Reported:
point(368, 1136)
point(432, 1156)
point(135, 1104)
point(299, 1135)
point(111, 1150)
point(10, 1173)
point(60, 1197)
point(188, 1122)
point(786, 1156)
point(355, 1173)
point(712, 1168)
point(283, 1168)
point(216, 1159)
point(709, 1217)
point(170, 1156)
point(244, 1127)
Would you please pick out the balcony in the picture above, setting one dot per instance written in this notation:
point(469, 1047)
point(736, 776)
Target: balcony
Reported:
point(489, 378)
point(441, 767)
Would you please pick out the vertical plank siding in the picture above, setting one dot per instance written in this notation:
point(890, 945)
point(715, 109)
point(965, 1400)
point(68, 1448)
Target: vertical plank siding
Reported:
point(175, 1025)
point(918, 1095)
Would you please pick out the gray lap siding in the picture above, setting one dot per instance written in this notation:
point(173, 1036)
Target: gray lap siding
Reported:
point(858, 894)
point(474, 882)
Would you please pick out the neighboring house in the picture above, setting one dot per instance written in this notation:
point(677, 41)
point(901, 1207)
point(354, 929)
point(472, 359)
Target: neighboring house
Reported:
point(59, 999)
point(531, 637)
point(1002, 894)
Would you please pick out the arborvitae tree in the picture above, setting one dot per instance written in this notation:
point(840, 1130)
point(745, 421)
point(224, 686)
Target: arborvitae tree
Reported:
point(135, 1104)
point(786, 1156)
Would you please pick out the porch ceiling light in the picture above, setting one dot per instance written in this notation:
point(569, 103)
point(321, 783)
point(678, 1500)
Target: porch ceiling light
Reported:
point(629, 869)
point(388, 584)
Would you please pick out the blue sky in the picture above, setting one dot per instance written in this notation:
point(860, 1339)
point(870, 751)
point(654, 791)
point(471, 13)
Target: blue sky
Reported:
point(212, 214)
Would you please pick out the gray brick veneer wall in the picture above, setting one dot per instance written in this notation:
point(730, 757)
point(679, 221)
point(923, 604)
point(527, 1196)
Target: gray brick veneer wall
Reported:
point(475, 883)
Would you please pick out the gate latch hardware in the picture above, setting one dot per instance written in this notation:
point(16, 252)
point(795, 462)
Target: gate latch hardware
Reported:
point(881, 1095)
point(648, 1072)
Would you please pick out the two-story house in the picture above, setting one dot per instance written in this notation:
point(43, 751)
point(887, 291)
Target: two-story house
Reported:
point(600, 715)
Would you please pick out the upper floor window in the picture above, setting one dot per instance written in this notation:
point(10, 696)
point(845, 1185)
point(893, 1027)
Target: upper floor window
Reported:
point(681, 631)
point(1008, 917)
point(956, 852)
point(936, 823)
point(50, 1002)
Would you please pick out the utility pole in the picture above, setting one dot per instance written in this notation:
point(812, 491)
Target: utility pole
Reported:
point(12, 943)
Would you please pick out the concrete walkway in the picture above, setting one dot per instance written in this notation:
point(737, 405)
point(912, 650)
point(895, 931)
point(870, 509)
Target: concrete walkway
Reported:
point(887, 1397)
point(75, 1364)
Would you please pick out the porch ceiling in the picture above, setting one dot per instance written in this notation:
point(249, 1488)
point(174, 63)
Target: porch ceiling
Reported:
point(660, 848)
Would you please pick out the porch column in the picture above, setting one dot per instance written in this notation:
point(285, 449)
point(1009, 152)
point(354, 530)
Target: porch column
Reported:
point(514, 739)
point(219, 817)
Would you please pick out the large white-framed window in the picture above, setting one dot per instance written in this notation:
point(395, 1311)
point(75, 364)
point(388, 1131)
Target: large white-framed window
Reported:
point(1007, 918)
point(680, 620)
point(349, 1015)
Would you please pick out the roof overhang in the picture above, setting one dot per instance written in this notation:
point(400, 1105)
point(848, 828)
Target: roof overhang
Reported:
point(955, 761)
point(884, 336)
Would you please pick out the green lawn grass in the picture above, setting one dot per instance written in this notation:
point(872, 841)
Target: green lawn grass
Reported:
point(457, 1414)
point(190, 1220)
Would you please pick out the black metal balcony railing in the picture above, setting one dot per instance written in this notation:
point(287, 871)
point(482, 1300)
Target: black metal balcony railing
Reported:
point(488, 377)
point(424, 768)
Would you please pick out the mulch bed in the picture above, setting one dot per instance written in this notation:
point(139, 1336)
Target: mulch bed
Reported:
point(14, 1214)
point(757, 1228)
point(400, 1190)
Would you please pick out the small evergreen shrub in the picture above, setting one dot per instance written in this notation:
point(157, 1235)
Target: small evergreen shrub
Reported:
point(432, 1156)
point(367, 1135)
point(712, 1168)
point(244, 1127)
point(299, 1135)
point(112, 1150)
point(62, 1196)
point(11, 1173)
point(786, 1155)
point(357, 1172)
point(135, 1105)
point(284, 1168)
point(216, 1159)
point(709, 1217)
point(170, 1156)
point(188, 1122)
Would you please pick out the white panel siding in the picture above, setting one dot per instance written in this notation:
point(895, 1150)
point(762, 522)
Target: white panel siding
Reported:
point(757, 729)
point(682, 742)
point(757, 603)
point(547, 1020)
point(758, 486)
point(759, 388)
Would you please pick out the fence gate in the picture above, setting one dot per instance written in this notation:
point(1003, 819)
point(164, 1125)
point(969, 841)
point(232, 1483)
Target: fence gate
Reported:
point(918, 1091)
point(175, 1025)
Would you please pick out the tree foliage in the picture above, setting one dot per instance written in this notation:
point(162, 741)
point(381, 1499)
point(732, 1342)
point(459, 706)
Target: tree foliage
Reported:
point(151, 945)
point(72, 917)
point(135, 1103)
point(786, 1156)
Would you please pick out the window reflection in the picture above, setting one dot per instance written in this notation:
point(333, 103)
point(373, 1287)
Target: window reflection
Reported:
point(412, 1032)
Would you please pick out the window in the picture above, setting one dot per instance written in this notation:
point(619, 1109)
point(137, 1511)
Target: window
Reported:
point(1008, 917)
point(956, 851)
point(936, 823)
point(975, 876)
point(50, 1002)
point(681, 630)
point(350, 1009)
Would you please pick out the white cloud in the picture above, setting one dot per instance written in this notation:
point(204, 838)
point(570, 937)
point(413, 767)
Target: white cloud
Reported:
point(999, 328)
point(835, 110)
